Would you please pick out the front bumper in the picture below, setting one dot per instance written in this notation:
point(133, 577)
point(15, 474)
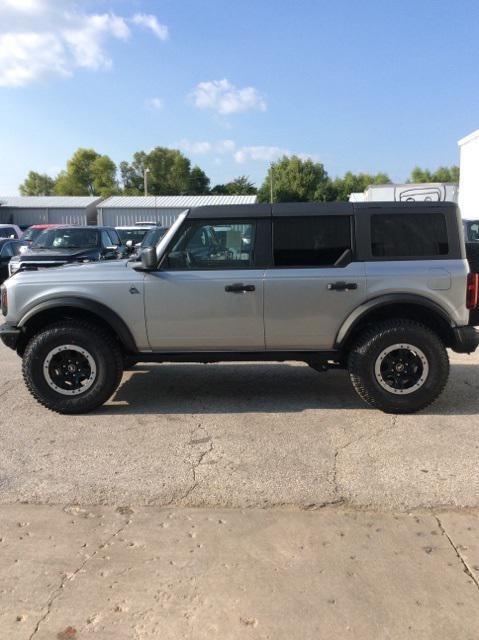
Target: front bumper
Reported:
point(465, 339)
point(10, 335)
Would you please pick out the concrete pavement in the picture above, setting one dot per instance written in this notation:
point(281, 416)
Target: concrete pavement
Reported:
point(243, 435)
point(98, 537)
point(149, 573)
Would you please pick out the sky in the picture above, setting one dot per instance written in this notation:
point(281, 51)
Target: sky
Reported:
point(363, 86)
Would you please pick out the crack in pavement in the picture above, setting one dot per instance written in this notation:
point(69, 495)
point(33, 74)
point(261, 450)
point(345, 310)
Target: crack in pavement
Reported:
point(365, 436)
point(196, 461)
point(465, 566)
point(68, 578)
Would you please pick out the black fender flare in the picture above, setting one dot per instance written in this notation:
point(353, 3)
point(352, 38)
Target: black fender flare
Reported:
point(104, 313)
point(383, 301)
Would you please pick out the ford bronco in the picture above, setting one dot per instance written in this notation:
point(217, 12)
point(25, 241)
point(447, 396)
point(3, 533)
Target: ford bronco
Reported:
point(380, 289)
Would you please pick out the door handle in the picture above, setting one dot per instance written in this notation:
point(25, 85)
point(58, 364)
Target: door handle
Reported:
point(342, 286)
point(239, 287)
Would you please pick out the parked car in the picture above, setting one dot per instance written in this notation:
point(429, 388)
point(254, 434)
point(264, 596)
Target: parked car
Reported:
point(8, 249)
point(12, 231)
point(379, 289)
point(32, 232)
point(66, 244)
point(132, 236)
point(150, 239)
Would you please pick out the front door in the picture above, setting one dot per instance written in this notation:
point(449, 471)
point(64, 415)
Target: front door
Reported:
point(207, 295)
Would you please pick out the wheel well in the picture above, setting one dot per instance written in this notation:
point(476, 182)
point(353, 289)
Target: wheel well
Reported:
point(56, 314)
point(403, 311)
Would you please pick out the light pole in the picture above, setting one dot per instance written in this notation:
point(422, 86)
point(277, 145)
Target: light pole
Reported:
point(271, 182)
point(145, 179)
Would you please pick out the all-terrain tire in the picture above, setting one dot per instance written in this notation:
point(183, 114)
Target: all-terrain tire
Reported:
point(371, 344)
point(98, 343)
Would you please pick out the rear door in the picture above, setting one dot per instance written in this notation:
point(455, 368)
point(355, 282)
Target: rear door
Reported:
point(314, 282)
point(207, 294)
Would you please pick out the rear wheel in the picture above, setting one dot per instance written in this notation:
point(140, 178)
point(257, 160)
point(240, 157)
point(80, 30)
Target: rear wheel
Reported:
point(72, 367)
point(400, 366)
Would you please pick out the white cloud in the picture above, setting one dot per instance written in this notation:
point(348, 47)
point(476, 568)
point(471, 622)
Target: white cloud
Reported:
point(262, 153)
point(204, 147)
point(43, 38)
point(151, 22)
point(24, 57)
point(242, 155)
point(155, 104)
point(86, 40)
point(25, 5)
point(225, 98)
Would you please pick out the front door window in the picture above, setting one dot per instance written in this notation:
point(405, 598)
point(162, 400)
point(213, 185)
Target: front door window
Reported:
point(222, 245)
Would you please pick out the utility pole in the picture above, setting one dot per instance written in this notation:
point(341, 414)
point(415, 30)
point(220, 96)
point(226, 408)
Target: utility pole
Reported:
point(145, 179)
point(271, 182)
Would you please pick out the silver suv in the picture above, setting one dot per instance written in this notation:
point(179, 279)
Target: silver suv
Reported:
point(381, 289)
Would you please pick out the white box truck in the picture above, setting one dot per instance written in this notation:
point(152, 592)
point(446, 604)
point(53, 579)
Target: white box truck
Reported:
point(409, 192)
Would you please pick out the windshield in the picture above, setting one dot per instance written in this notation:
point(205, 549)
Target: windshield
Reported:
point(135, 235)
point(153, 236)
point(67, 239)
point(7, 232)
point(32, 234)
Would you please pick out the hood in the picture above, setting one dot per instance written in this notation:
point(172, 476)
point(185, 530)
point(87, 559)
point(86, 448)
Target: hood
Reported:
point(37, 255)
point(79, 272)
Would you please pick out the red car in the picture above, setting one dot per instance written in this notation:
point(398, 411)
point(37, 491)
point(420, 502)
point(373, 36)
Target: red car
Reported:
point(32, 233)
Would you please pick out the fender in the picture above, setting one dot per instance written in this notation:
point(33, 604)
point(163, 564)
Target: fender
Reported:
point(96, 308)
point(382, 301)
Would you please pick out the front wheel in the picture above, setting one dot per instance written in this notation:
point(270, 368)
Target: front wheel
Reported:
point(399, 366)
point(72, 367)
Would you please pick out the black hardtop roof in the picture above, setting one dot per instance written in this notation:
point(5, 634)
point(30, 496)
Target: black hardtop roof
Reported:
point(299, 209)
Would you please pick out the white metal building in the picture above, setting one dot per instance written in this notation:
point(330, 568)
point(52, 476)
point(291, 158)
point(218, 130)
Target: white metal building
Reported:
point(29, 210)
point(469, 178)
point(120, 211)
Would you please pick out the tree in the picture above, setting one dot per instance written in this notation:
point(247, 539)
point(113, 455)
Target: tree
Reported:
point(88, 173)
point(37, 184)
point(240, 186)
point(170, 173)
point(130, 176)
point(341, 188)
point(442, 174)
point(199, 182)
point(295, 180)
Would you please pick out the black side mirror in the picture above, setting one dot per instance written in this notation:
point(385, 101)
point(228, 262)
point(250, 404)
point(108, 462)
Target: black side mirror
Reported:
point(148, 258)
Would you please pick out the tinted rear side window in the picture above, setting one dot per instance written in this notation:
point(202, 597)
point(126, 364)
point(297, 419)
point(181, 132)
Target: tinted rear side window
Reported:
point(310, 242)
point(407, 235)
point(7, 232)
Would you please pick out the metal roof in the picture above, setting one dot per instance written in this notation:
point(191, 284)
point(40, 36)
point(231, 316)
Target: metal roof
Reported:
point(172, 202)
point(49, 202)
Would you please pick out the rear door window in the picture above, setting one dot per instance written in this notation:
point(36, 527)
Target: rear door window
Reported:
point(7, 232)
point(313, 241)
point(408, 235)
